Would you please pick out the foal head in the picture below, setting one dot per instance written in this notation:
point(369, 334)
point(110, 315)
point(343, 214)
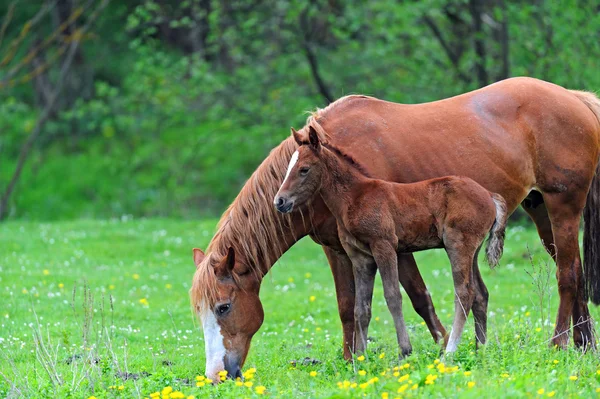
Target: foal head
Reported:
point(304, 175)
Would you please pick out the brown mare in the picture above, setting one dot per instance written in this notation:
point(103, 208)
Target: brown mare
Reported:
point(534, 143)
point(377, 219)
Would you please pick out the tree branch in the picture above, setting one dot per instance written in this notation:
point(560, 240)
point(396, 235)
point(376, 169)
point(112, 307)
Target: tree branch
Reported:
point(452, 56)
point(26, 148)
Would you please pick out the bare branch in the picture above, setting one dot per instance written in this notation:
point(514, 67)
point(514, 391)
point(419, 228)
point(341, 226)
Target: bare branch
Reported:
point(26, 148)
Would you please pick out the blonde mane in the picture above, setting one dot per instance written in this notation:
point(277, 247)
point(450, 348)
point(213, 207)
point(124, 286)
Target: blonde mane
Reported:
point(251, 225)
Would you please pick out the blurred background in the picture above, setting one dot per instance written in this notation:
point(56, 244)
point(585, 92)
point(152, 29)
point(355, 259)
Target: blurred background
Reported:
point(164, 108)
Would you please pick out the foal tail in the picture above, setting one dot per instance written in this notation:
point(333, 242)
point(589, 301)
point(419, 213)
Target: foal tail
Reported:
point(591, 217)
point(495, 243)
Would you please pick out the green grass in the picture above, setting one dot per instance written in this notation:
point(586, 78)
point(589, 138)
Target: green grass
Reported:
point(71, 307)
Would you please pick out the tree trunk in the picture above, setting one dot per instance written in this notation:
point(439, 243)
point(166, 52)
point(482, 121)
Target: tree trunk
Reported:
point(476, 9)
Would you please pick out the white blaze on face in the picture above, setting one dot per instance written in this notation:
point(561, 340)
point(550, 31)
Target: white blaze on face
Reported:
point(213, 343)
point(291, 166)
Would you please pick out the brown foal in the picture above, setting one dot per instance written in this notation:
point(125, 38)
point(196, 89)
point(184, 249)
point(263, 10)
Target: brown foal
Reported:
point(376, 219)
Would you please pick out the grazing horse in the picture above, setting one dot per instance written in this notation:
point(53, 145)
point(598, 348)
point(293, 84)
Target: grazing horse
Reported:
point(376, 219)
point(533, 142)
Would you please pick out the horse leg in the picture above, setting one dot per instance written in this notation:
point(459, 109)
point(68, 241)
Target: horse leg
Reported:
point(413, 284)
point(387, 263)
point(565, 218)
point(536, 208)
point(343, 278)
point(364, 281)
point(480, 304)
point(461, 259)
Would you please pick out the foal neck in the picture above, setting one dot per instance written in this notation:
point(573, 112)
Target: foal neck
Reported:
point(341, 181)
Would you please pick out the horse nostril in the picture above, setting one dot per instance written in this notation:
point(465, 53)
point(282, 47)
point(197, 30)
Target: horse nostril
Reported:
point(280, 201)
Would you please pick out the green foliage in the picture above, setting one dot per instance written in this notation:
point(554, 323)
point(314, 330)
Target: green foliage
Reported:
point(110, 299)
point(189, 97)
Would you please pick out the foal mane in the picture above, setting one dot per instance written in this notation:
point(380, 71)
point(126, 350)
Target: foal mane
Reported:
point(251, 225)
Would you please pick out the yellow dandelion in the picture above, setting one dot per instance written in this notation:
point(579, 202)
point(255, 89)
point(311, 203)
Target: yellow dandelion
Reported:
point(403, 378)
point(111, 287)
point(92, 397)
point(471, 384)
point(239, 384)
point(598, 390)
point(353, 385)
point(191, 397)
point(312, 298)
point(396, 374)
point(200, 384)
point(46, 272)
point(385, 395)
point(308, 275)
point(538, 329)
point(551, 394)
point(436, 361)
point(362, 372)
point(363, 385)
point(555, 361)
point(136, 276)
point(290, 280)
point(430, 366)
point(467, 373)
point(208, 381)
point(573, 378)
point(402, 388)
point(155, 394)
point(383, 373)
point(223, 375)
point(360, 358)
point(504, 375)
point(61, 285)
point(260, 389)
point(121, 387)
point(144, 301)
point(382, 355)
point(198, 378)
point(527, 314)
point(373, 380)
point(248, 384)
point(166, 390)
point(414, 387)
point(168, 286)
point(377, 318)
point(313, 373)
point(541, 391)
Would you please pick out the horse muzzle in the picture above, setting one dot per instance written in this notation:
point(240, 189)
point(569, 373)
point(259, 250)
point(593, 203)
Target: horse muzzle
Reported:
point(283, 205)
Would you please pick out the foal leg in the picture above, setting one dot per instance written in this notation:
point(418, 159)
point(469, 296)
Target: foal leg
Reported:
point(480, 304)
point(387, 263)
point(461, 259)
point(413, 284)
point(364, 279)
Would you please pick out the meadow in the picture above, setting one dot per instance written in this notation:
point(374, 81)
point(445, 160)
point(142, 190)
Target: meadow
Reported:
point(100, 309)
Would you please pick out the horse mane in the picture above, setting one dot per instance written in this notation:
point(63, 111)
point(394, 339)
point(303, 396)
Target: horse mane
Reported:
point(251, 225)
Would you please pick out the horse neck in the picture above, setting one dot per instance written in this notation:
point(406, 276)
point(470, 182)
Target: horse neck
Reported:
point(341, 182)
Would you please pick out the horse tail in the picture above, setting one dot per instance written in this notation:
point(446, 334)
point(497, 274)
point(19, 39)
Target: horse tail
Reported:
point(591, 217)
point(495, 243)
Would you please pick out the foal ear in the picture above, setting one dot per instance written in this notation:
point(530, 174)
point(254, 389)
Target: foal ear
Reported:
point(198, 256)
point(225, 267)
point(313, 138)
point(297, 136)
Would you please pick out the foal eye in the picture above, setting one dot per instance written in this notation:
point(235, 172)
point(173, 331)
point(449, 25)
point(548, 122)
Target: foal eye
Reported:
point(221, 310)
point(304, 171)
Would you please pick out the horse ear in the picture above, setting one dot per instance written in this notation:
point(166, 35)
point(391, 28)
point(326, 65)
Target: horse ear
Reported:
point(313, 138)
point(198, 256)
point(296, 136)
point(225, 267)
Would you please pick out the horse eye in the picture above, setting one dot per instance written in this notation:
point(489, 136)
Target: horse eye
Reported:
point(304, 171)
point(221, 310)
